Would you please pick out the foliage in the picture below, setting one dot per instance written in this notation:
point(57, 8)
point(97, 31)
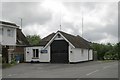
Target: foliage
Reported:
point(0, 59)
point(7, 65)
point(4, 60)
point(13, 61)
point(118, 49)
point(107, 51)
point(33, 39)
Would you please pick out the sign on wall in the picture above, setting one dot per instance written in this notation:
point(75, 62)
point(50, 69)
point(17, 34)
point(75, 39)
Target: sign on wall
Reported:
point(44, 51)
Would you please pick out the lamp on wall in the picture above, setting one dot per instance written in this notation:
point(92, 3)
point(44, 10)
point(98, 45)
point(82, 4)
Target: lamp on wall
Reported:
point(71, 51)
point(27, 52)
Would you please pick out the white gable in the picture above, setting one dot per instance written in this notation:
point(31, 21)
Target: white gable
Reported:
point(56, 37)
point(59, 37)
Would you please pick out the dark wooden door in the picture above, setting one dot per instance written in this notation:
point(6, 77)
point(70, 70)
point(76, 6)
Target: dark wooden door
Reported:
point(5, 55)
point(59, 51)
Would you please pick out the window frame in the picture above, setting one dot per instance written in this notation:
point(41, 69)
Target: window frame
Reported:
point(35, 53)
point(59, 36)
point(82, 52)
point(10, 32)
point(1, 29)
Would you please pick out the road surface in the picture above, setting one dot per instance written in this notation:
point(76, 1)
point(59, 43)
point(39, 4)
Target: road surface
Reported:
point(93, 69)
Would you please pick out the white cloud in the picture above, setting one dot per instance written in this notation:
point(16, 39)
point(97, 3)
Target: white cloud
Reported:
point(38, 29)
point(100, 19)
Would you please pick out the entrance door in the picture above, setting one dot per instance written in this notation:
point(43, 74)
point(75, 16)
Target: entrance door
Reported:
point(59, 51)
point(5, 54)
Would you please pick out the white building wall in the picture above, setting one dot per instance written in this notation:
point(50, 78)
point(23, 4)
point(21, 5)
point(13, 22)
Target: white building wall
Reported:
point(90, 54)
point(71, 55)
point(43, 57)
point(8, 40)
point(0, 34)
point(77, 56)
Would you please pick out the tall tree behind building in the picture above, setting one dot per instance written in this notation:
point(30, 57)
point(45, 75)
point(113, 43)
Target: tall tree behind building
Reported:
point(33, 39)
point(107, 51)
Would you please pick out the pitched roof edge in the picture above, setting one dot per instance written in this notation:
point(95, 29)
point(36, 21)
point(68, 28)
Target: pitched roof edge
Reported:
point(8, 23)
point(75, 41)
point(58, 32)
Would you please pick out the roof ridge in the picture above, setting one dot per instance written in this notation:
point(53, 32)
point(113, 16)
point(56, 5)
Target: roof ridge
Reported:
point(8, 23)
point(67, 33)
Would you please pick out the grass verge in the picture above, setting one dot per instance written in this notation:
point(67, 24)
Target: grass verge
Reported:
point(7, 65)
point(105, 61)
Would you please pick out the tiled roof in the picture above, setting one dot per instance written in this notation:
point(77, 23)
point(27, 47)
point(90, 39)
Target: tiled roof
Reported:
point(76, 41)
point(21, 39)
point(45, 40)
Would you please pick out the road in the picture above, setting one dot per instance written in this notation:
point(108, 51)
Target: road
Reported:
point(93, 69)
point(0, 71)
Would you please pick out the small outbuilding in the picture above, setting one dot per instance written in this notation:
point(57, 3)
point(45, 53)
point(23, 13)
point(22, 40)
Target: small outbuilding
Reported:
point(60, 47)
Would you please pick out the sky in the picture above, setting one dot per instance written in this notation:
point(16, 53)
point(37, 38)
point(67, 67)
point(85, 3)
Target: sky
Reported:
point(100, 19)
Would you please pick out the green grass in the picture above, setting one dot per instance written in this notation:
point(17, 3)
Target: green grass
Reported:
point(8, 65)
point(107, 60)
point(0, 59)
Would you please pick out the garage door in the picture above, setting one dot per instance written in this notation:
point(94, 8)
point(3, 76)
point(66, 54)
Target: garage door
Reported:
point(59, 51)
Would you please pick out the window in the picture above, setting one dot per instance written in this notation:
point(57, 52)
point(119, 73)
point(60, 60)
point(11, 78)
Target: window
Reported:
point(59, 36)
point(10, 33)
point(35, 53)
point(1, 31)
point(82, 52)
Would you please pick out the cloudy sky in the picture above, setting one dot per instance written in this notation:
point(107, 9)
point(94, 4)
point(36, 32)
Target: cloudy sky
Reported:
point(100, 19)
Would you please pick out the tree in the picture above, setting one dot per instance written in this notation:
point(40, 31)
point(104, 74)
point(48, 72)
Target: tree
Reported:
point(33, 39)
point(118, 50)
point(106, 51)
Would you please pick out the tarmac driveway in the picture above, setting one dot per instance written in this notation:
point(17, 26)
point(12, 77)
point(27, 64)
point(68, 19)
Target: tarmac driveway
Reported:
point(93, 69)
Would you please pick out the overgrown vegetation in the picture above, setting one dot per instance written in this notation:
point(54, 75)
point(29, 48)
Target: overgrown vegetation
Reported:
point(107, 51)
point(7, 65)
point(33, 39)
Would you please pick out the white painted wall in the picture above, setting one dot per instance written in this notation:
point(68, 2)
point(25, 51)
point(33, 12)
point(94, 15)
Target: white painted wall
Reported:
point(76, 55)
point(46, 56)
point(0, 34)
point(90, 54)
point(71, 55)
point(43, 57)
point(8, 40)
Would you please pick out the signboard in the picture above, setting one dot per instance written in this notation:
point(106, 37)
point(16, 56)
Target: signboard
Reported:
point(44, 51)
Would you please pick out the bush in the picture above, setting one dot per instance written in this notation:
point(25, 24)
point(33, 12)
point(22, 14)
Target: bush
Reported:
point(13, 61)
point(4, 60)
